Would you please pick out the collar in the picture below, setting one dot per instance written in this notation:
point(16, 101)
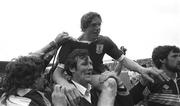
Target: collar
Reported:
point(81, 88)
point(22, 92)
point(85, 41)
point(84, 91)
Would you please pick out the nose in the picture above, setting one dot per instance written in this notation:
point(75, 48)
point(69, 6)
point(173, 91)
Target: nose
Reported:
point(98, 26)
point(90, 66)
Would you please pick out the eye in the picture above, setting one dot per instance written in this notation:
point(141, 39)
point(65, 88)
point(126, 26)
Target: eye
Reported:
point(94, 24)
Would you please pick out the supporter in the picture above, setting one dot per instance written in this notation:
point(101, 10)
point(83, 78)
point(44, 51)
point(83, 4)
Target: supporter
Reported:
point(166, 58)
point(79, 66)
point(19, 86)
point(25, 81)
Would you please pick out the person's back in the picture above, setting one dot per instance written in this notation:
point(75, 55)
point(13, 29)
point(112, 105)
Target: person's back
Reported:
point(19, 82)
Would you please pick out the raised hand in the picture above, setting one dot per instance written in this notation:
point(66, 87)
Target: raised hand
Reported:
point(63, 38)
point(58, 97)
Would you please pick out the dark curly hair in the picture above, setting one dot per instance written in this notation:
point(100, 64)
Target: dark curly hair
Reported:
point(21, 73)
point(71, 61)
point(87, 18)
point(162, 52)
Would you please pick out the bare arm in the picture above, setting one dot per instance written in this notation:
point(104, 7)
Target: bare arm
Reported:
point(58, 76)
point(145, 72)
point(108, 93)
point(48, 51)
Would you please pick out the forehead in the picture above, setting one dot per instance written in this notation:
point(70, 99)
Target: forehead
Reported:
point(83, 59)
point(174, 54)
point(96, 20)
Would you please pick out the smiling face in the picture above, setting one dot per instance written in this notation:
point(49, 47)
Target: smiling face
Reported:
point(94, 28)
point(172, 62)
point(83, 70)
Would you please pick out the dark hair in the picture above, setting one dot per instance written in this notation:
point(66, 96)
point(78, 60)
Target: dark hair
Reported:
point(162, 52)
point(87, 18)
point(71, 61)
point(22, 73)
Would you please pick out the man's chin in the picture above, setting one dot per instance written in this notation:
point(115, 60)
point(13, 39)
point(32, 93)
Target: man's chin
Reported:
point(87, 78)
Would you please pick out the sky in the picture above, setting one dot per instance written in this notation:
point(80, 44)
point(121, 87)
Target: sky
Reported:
point(138, 25)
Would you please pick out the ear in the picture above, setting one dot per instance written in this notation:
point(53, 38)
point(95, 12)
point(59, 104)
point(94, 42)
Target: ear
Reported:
point(72, 70)
point(162, 60)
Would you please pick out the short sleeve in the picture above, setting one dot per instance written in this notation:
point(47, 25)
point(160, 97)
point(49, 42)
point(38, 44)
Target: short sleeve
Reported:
point(112, 49)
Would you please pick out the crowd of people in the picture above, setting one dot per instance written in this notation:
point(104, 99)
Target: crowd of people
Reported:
point(80, 78)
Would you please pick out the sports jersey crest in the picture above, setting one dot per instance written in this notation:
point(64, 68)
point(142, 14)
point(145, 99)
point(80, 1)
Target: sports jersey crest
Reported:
point(99, 48)
point(166, 87)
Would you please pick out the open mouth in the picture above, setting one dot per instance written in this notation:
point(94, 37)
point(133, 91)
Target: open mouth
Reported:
point(89, 73)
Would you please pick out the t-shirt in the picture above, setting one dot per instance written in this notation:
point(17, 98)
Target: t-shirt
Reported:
point(97, 49)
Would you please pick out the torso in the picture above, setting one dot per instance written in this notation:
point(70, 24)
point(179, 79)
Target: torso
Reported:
point(96, 49)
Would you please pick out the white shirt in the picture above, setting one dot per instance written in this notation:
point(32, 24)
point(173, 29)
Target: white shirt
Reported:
point(84, 90)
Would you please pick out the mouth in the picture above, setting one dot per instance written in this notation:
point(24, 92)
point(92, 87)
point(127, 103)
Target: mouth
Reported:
point(96, 32)
point(89, 73)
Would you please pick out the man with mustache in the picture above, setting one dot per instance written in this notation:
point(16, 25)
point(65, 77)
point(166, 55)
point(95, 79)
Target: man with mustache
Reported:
point(166, 58)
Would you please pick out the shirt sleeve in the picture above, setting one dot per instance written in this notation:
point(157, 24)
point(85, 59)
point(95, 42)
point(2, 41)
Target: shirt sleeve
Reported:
point(112, 49)
point(65, 50)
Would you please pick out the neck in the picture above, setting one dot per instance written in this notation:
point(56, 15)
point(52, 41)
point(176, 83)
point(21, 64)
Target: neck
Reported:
point(88, 37)
point(82, 82)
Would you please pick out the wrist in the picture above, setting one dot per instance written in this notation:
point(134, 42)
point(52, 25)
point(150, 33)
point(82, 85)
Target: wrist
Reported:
point(53, 44)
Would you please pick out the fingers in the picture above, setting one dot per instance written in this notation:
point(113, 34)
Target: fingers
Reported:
point(72, 94)
point(147, 77)
point(58, 98)
point(151, 73)
point(61, 37)
point(107, 74)
point(161, 74)
point(71, 97)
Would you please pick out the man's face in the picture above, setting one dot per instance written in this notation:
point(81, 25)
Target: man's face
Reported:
point(172, 63)
point(94, 27)
point(83, 70)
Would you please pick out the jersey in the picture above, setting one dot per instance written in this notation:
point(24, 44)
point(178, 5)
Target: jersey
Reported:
point(97, 49)
point(159, 93)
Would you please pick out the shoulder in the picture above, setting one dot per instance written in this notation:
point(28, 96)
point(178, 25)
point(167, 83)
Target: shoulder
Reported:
point(18, 101)
point(35, 96)
point(102, 37)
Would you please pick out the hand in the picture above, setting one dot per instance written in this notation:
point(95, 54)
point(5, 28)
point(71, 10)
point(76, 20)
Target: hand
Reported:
point(147, 73)
point(72, 94)
point(58, 98)
point(105, 75)
point(110, 74)
point(63, 38)
point(123, 49)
